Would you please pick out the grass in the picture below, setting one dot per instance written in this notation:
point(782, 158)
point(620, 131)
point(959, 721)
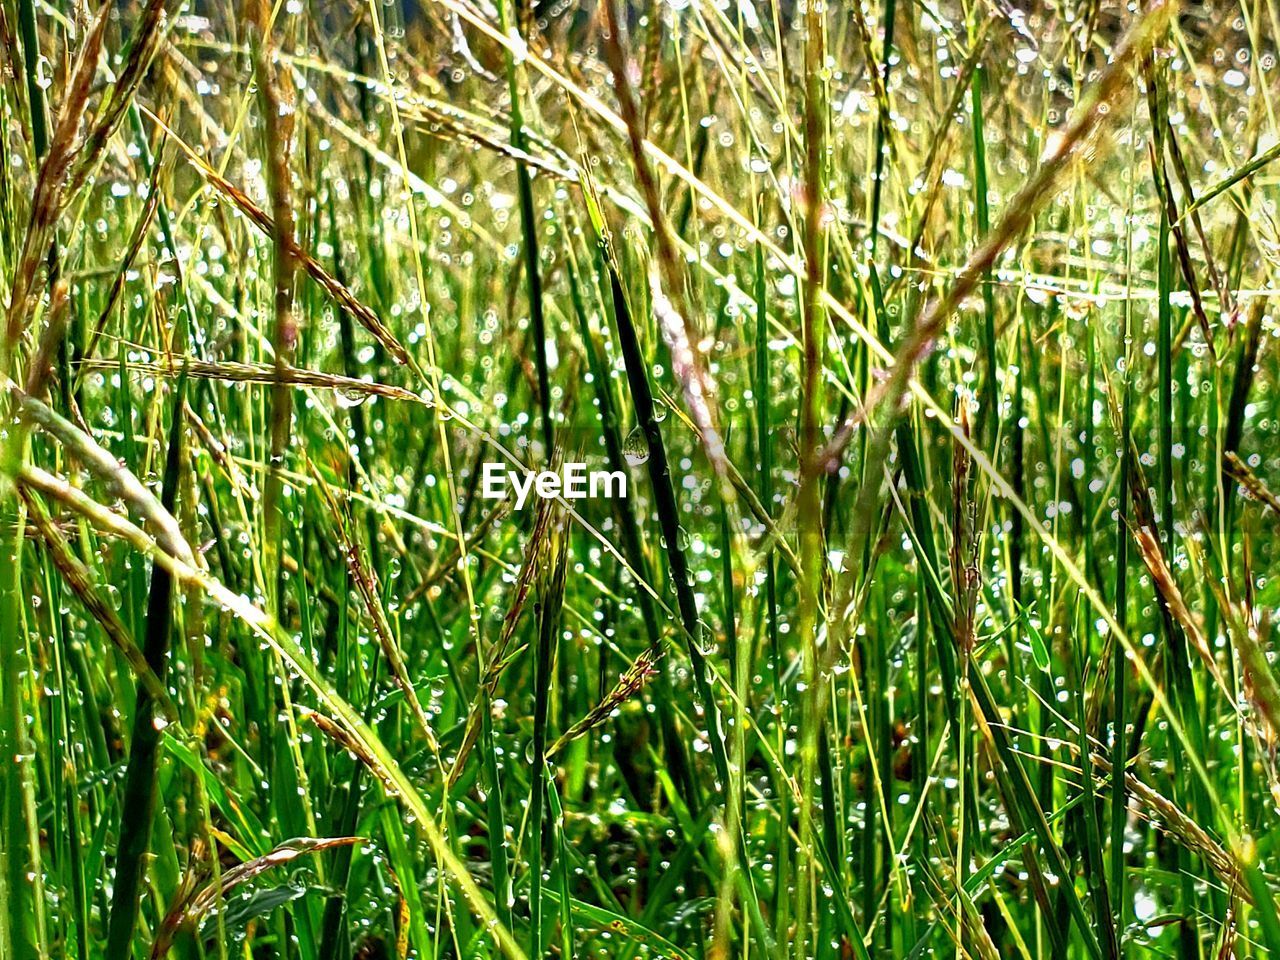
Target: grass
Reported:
point(936, 343)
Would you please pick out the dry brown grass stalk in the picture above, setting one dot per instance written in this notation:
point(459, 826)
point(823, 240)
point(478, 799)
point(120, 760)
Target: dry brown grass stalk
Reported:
point(148, 37)
point(275, 94)
point(1172, 600)
point(1252, 484)
point(139, 236)
point(229, 371)
point(1100, 102)
point(41, 366)
point(965, 577)
point(50, 190)
point(366, 582)
point(629, 684)
point(337, 292)
point(191, 905)
point(496, 659)
point(1155, 807)
point(82, 583)
point(678, 330)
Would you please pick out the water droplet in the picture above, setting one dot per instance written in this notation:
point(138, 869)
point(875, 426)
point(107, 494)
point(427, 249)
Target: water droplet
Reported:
point(636, 448)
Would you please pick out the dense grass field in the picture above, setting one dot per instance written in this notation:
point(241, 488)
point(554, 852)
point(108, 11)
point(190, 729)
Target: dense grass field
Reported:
point(936, 342)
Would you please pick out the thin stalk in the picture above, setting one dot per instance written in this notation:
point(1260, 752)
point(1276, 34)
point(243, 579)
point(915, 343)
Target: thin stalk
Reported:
point(138, 804)
point(632, 541)
point(808, 499)
point(761, 390)
point(659, 471)
point(1119, 660)
point(277, 114)
point(1119, 663)
point(882, 126)
point(990, 385)
point(18, 936)
point(529, 229)
point(544, 655)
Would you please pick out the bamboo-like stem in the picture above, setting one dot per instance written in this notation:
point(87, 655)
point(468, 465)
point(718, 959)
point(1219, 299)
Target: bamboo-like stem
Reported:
point(276, 102)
